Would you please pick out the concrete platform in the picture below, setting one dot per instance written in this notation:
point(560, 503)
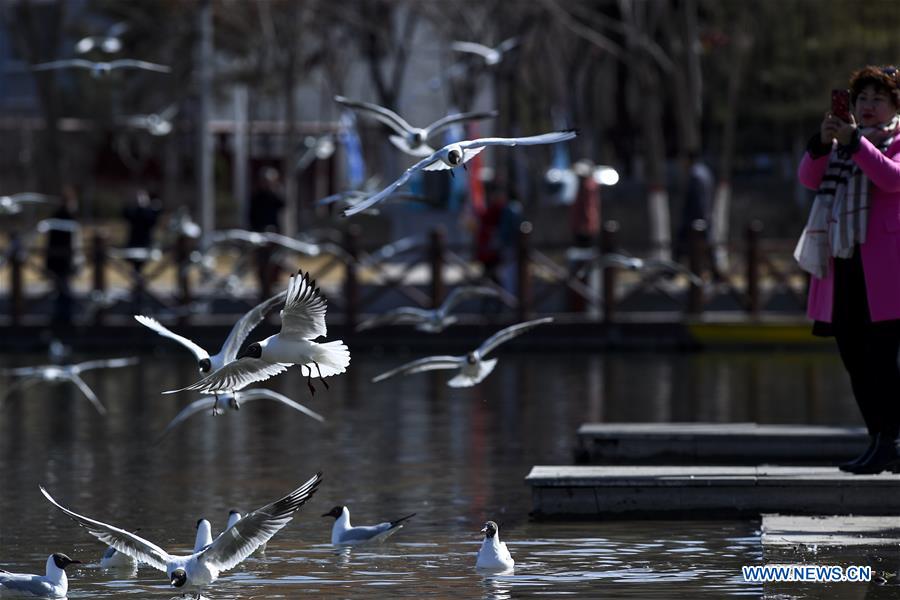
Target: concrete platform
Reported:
point(717, 443)
point(707, 492)
point(837, 530)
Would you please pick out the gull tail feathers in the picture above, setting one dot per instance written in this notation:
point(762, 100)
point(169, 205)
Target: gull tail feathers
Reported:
point(463, 380)
point(333, 358)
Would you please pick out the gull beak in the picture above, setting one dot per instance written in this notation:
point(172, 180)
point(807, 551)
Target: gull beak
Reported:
point(484, 530)
point(75, 562)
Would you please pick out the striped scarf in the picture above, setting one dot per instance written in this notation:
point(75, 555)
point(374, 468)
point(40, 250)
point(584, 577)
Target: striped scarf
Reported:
point(840, 210)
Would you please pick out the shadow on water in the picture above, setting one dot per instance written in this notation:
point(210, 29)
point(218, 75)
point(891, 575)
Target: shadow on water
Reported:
point(455, 457)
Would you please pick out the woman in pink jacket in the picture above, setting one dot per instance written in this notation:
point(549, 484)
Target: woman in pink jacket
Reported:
point(851, 247)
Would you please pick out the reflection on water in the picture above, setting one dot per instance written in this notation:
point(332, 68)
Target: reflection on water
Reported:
point(455, 457)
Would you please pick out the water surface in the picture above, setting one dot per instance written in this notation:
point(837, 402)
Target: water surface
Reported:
point(454, 457)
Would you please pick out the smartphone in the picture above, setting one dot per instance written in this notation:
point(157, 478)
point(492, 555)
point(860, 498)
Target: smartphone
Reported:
point(840, 104)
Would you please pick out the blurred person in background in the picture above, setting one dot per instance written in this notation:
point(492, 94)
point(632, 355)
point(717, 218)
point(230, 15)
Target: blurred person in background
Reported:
point(698, 202)
point(60, 254)
point(585, 213)
point(851, 248)
point(141, 215)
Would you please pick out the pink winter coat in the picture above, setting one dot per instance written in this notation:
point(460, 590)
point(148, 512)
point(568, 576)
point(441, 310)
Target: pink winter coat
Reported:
point(881, 251)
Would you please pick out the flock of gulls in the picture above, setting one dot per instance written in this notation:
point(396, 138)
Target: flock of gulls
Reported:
point(301, 342)
point(225, 377)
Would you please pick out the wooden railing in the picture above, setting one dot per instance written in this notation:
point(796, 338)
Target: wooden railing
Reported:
point(547, 279)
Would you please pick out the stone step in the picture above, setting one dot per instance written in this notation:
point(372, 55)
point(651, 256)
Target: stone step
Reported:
point(717, 443)
point(707, 492)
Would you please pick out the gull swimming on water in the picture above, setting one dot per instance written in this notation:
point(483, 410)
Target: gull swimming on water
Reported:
point(429, 320)
point(473, 367)
point(343, 533)
point(493, 554)
point(302, 321)
point(30, 376)
point(54, 584)
point(195, 571)
point(455, 155)
point(234, 402)
point(409, 139)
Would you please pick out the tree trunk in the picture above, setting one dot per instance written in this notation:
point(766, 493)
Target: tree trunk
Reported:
point(722, 203)
point(205, 181)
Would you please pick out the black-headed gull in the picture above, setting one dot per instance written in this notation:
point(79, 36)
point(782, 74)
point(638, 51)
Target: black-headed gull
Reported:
point(14, 203)
point(429, 320)
point(197, 570)
point(493, 554)
point(455, 155)
point(29, 376)
point(156, 124)
point(491, 56)
point(206, 362)
point(473, 367)
point(54, 584)
point(256, 239)
point(345, 534)
point(302, 321)
point(409, 139)
point(631, 263)
point(100, 69)
point(233, 402)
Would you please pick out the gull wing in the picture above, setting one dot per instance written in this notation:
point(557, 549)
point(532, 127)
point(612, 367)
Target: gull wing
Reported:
point(205, 403)
point(382, 114)
point(532, 140)
point(375, 199)
point(130, 63)
point(234, 376)
point(449, 120)
point(671, 265)
point(256, 528)
point(159, 328)
point(25, 371)
point(465, 292)
point(507, 45)
point(346, 196)
point(404, 315)
point(391, 250)
point(504, 335)
point(290, 243)
point(472, 48)
point(303, 316)
point(125, 542)
point(79, 63)
point(33, 198)
point(88, 392)
point(248, 323)
point(110, 363)
point(263, 393)
point(613, 259)
point(402, 144)
point(429, 363)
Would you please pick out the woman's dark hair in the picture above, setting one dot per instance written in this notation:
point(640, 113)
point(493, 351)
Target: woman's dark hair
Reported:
point(883, 79)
